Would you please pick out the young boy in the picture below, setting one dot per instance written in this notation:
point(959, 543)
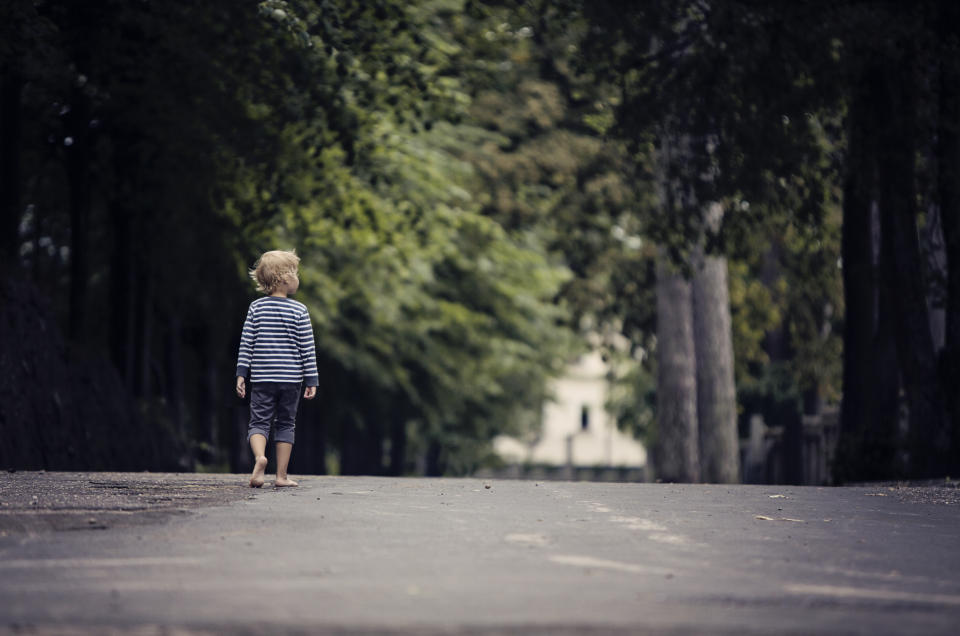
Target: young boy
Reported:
point(277, 352)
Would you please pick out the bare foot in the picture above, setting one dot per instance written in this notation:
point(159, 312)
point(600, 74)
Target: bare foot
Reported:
point(256, 480)
point(280, 483)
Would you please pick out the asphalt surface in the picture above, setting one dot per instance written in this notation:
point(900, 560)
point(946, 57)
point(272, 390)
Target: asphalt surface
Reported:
point(137, 553)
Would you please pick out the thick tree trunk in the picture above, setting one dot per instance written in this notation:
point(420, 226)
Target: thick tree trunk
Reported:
point(882, 442)
point(948, 186)
point(173, 391)
point(11, 85)
point(859, 292)
point(870, 408)
point(716, 392)
point(929, 443)
point(78, 154)
point(143, 337)
point(934, 262)
point(121, 310)
point(677, 450)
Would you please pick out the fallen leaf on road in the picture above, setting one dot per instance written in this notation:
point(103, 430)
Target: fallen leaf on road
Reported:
point(765, 518)
point(527, 539)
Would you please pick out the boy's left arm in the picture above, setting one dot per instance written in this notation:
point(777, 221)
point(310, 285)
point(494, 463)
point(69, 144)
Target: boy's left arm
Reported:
point(308, 357)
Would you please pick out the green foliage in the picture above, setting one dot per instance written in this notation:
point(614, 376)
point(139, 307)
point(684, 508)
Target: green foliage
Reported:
point(422, 305)
point(633, 397)
point(774, 394)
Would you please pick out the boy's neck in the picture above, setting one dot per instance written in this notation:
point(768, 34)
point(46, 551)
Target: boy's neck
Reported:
point(278, 294)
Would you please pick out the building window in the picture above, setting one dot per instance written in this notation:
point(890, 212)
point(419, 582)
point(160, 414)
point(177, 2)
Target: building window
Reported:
point(584, 417)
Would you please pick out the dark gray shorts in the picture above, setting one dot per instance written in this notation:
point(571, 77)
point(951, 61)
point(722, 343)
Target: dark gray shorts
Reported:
point(271, 401)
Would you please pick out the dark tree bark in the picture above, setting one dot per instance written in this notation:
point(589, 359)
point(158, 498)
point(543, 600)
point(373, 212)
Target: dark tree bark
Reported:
point(77, 146)
point(398, 444)
point(882, 439)
point(362, 445)
point(928, 443)
point(174, 371)
point(870, 407)
point(121, 310)
point(11, 85)
point(948, 195)
point(78, 156)
point(144, 322)
point(434, 459)
point(856, 412)
point(677, 450)
point(373, 456)
point(207, 398)
point(348, 445)
point(319, 446)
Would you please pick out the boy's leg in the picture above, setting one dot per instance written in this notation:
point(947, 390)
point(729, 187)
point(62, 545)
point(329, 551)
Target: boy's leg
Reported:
point(284, 449)
point(258, 444)
point(262, 406)
point(288, 399)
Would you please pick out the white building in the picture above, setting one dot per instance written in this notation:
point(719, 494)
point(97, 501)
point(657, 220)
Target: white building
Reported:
point(576, 430)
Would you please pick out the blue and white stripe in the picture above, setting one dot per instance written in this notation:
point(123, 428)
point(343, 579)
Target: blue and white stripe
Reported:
point(277, 343)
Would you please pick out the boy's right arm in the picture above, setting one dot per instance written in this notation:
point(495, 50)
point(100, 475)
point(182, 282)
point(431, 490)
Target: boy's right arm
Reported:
point(245, 356)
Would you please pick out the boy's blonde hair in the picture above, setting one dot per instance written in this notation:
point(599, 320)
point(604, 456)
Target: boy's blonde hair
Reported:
point(273, 268)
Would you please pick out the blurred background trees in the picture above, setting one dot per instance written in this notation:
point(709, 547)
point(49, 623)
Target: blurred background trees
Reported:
point(751, 209)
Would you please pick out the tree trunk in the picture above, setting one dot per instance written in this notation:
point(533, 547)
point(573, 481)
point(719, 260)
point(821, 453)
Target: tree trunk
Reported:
point(78, 154)
point(716, 391)
point(121, 309)
point(211, 387)
point(143, 337)
point(677, 449)
point(434, 459)
point(859, 289)
point(319, 424)
point(929, 444)
point(11, 85)
point(398, 444)
point(882, 443)
point(361, 450)
point(348, 443)
point(870, 408)
point(948, 186)
point(173, 391)
point(374, 449)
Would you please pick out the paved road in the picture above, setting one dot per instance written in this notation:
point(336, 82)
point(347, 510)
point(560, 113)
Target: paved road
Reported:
point(201, 554)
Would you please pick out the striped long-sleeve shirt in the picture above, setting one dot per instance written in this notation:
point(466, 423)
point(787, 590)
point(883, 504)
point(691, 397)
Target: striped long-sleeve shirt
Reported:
point(277, 342)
